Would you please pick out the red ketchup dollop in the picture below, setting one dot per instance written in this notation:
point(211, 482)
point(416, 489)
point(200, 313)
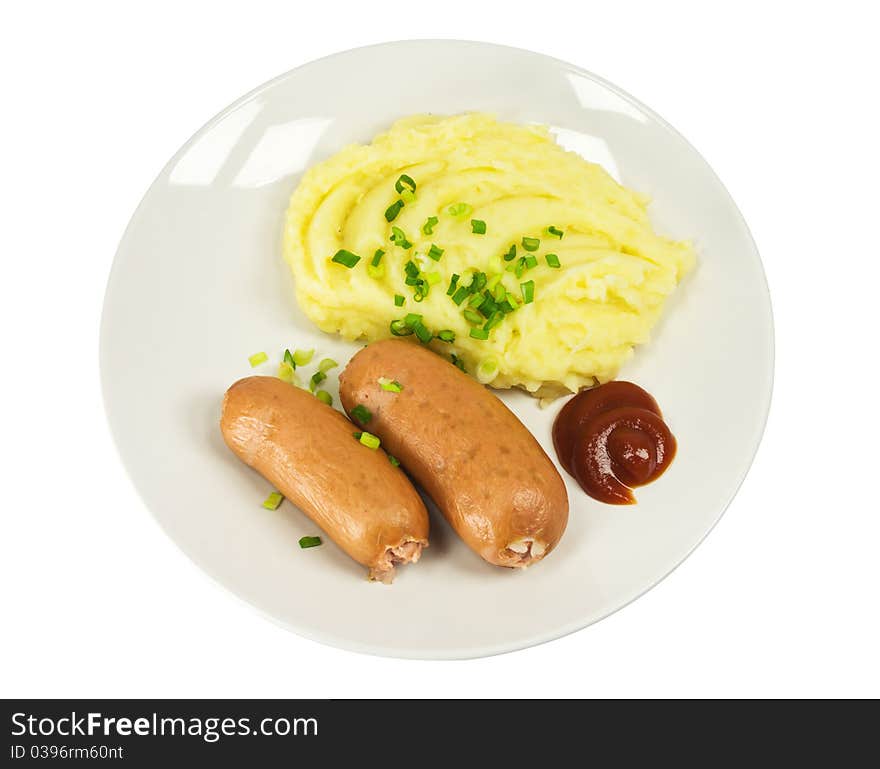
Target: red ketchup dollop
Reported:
point(611, 439)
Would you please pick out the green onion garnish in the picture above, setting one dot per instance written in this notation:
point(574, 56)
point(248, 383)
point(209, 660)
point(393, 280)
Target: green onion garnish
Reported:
point(453, 282)
point(407, 197)
point(428, 226)
point(325, 365)
point(488, 306)
point(305, 542)
point(273, 500)
point(393, 210)
point(531, 261)
point(302, 357)
point(520, 267)
point(404, 182)
point(478, 282)
point(487, 370)
point(478, 227)
point(446, 335)
point(493, 282)
point(460, 294)
point(555, 232)
point(507, 306)
point(288, 358)
point(286, 372)
point(422, 333)
point(257, 358)
point(324, 397)
point(394, 460)
point(399, 328)
point(377, 257)
point(398, 238)
point(479, 333)
point(411, 269)
point(499, 293)
point(362, 414)
point(411, 319)
point(435, 253)
point(531, 244)
point(528, 291)
point(457, 362)
point(552, 260)
point(317, 378)
point(511, 254)
point(345, 258)
point(476, 300)
point(422, 289)
point(494, 319)
point(399, 299)
point(390, 385)
point(459, 209)
point(376, 271)
point(472, 317)
point(369, 440)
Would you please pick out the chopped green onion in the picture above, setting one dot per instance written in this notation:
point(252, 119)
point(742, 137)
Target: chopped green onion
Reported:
point(362, 414)
point(478, 282)
point(302, 357)
point(257, 358)
point(459, 209)
point(499, 293)
point(422, 290)
point(479, 333)
point(369, 440)
point(460, 294)
point(478, 227)
point(305, 542)
point(446, 335)
point(494, 319)
point(476, 300)
point(531, 244)
point(407, 197)
point(493, 282)
point(376, 271)
point(473, 317)
point(394, 460)
point(488, 306)
point(435, 253)
point(393, 210)
point(457, 362)
point(422, 333)
point(433, 278)
point(317, 378)
point(404, 182)
point(324, 397)
point(520, 267)
point(399, 299)
point(552, 260)
point(377, 257)
point(286, 372)
point(511, 253)
point(452, 284)
point(528, 291)
point(531, 261)
point(428, 226)
point(399, 328)
point(390, 385)
point(398, 237)
point(487, 370)
point(325, 365)
point(411, 319)
point(345, 258)
point(273, 500)
point(507, 306)
point(288, 358)
point(555, 232)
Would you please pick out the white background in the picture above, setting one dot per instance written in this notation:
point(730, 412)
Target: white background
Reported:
point(780, 600)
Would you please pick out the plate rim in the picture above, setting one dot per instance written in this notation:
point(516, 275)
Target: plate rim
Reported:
point(432, 653)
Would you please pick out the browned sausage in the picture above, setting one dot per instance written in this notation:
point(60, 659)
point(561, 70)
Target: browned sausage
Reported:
point(483, 469)
point(307, 450)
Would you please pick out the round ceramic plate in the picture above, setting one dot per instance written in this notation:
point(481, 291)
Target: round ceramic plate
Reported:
point(199, 284)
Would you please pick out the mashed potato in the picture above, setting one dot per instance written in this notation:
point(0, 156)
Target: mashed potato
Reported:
point(553, 329)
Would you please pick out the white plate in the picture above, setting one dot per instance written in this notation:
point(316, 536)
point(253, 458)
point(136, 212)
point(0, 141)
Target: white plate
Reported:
point(198, 285)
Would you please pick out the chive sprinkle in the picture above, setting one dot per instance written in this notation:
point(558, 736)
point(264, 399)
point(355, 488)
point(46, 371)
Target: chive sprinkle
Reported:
point(446, 335)
point(326, 364)
point(257, 358)
point(511, 253)
point(528, 291)
point(422, 332)
point(289, 359)
point(476, 300)
point(362, 414)
point(531, 261)
point(459, 209)
point(479, 333)
point(404, 182)
point(305, 542)
point(399, 299)
point(428, 226)
point(453, 282)
point(460, 294)
point(273, 500)
point(345, 258)
point(520, 267)
point(435, 252)
point(494, 320)
point(317, 378)
point(286, 372)
point(324, 397)
point(377, 257)
point(398, 237)
point(407, 197)
point(411, 318)
point(393, 210)
point(302, 357)
point(552, 261)
point(399, 328)
point(390, 385)
point(531, 244)
point(555, 232)
point(478, 227)
point(472, 317)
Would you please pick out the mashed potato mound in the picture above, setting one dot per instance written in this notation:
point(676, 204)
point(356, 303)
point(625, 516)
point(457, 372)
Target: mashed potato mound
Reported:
point(586, 315)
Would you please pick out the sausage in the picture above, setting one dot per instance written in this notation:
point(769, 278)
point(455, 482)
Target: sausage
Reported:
point(307, 450)
point(485, 471)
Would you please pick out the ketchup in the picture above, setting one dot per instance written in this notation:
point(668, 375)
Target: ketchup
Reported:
point(612, 438)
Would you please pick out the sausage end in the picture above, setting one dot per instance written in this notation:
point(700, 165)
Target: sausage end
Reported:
point(408, 552)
